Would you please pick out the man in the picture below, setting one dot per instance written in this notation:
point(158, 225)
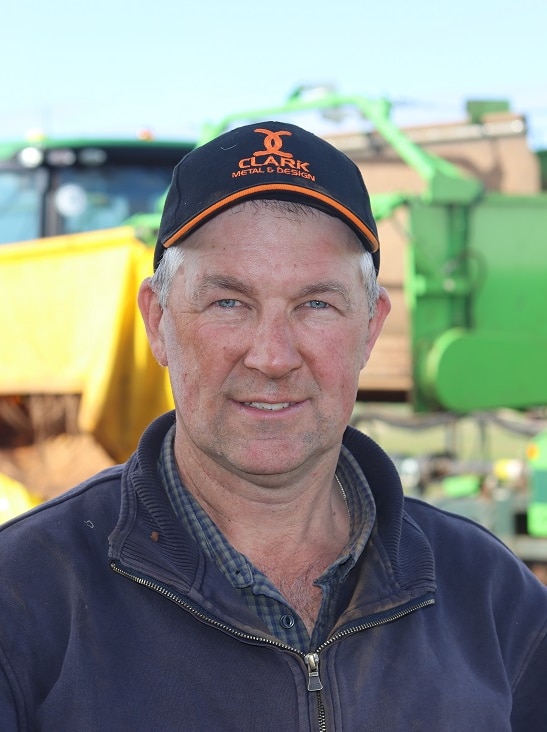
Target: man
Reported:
point(255, 565)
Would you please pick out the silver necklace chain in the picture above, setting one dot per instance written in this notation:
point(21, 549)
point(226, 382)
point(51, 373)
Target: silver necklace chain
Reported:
point(343, 492)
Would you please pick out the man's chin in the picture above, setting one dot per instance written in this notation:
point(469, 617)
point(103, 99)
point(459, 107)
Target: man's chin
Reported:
point(270, 458)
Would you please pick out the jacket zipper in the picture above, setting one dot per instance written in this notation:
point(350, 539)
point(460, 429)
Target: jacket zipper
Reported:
point(310, 659)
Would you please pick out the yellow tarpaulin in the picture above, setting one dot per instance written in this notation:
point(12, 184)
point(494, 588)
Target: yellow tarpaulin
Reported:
point(14, 498)
point(69, 323)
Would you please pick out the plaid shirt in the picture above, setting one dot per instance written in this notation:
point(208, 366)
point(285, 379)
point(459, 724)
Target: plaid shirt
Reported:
point(251, 584)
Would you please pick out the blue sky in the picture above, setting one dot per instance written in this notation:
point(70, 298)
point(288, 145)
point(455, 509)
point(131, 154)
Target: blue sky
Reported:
point(114, 67)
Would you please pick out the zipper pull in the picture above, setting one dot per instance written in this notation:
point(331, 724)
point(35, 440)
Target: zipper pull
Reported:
point(312, 662)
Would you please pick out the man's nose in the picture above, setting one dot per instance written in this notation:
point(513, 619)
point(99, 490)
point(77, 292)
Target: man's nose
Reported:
point(274, 349)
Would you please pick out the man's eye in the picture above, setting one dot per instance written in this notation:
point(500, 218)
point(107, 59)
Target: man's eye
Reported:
point(318, 304)
point(227, 302)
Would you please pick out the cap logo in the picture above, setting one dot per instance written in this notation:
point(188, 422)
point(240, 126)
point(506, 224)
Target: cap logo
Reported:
point(273, 159)
point(273, 143)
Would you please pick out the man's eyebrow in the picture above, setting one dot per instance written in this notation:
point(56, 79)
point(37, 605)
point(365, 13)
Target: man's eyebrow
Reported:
point(222, 282)
point(326, 287)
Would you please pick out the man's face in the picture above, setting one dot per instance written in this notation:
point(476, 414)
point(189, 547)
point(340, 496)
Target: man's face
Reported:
point(264, 334)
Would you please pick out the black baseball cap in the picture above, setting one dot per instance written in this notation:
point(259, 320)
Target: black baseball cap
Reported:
point(265, 160)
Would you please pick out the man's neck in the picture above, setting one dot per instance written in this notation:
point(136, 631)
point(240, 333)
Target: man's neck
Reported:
point(272, 518)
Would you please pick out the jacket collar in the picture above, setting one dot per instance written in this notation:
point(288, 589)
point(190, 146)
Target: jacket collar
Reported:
point(396, 567)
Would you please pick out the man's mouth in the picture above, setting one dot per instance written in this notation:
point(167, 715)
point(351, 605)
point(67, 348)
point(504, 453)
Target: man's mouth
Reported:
point(266, 405)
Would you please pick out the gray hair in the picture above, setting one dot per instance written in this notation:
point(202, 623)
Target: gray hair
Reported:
point(173, 260)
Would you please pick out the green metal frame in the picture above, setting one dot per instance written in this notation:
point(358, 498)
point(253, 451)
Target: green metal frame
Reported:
point(477, 297)
point(444, 182)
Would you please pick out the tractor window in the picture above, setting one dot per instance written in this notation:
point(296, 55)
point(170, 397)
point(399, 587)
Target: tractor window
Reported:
point(21, 193)
point(86, 199)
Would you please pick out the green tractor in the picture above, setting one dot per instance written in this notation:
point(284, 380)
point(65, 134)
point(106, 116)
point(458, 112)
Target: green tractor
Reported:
point(60, 187)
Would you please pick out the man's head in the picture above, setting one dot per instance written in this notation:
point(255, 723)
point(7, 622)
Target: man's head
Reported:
point(262, 313)
point(266, 160)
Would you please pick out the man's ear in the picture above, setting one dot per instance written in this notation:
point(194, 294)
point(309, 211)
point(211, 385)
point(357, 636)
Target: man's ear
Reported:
point(152, 315)
point(376, 323)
